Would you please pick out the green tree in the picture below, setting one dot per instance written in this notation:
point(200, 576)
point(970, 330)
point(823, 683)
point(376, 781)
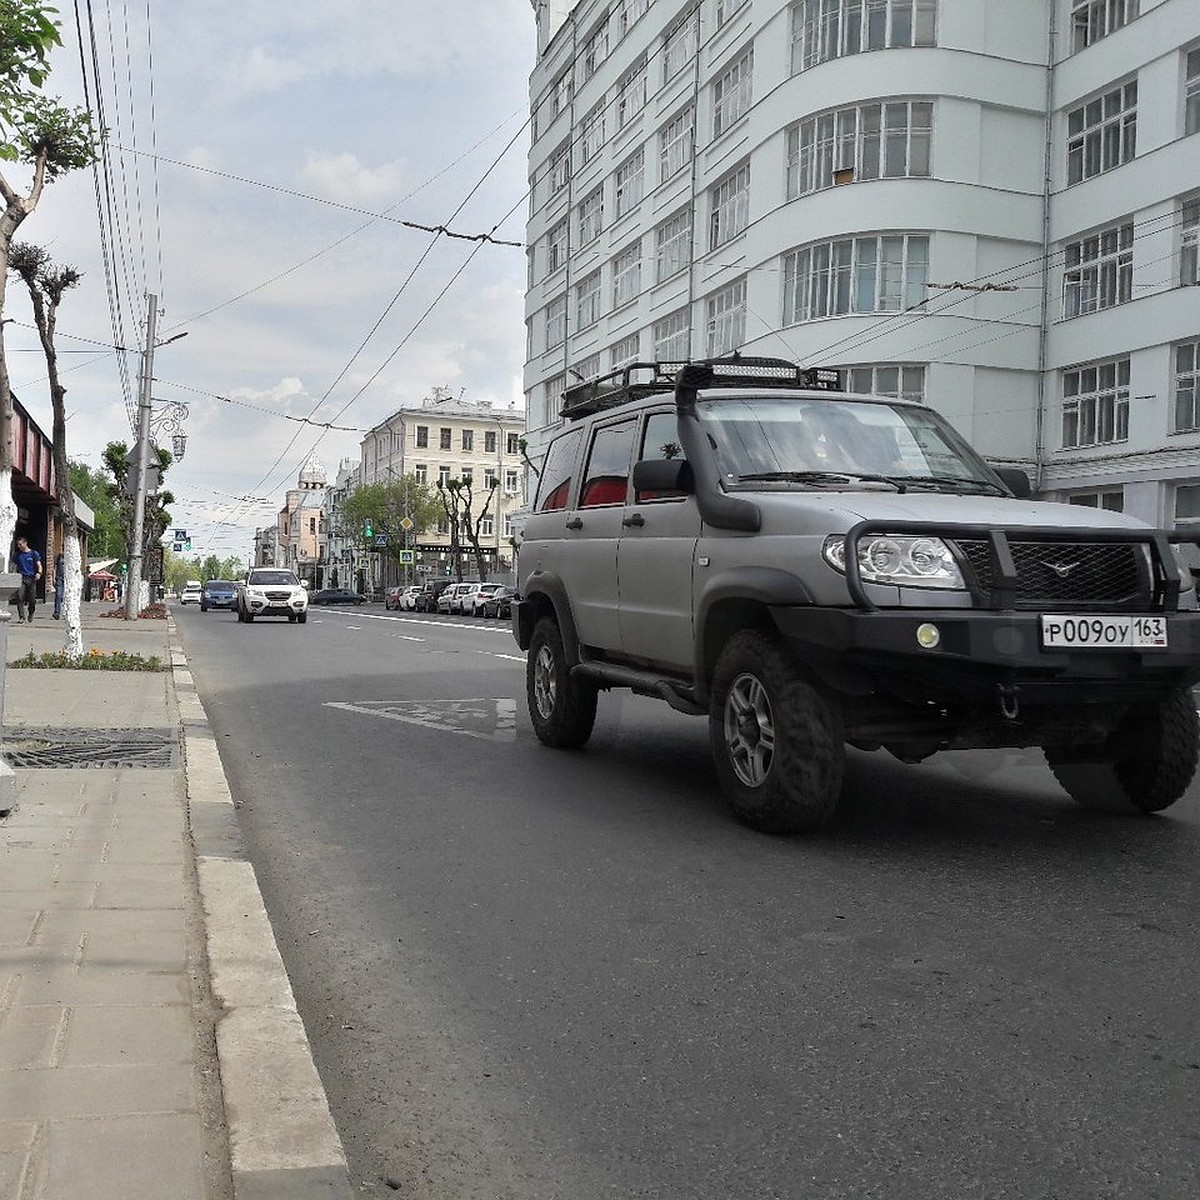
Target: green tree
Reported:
point(458, 503)
point(384, 506)
point(156, 517)
point(40, 133)
point(107, 540)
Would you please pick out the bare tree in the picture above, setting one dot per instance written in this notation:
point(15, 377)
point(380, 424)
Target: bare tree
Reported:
point(458, 499)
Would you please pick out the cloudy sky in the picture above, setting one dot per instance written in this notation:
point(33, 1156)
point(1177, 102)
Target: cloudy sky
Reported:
point(262, 158)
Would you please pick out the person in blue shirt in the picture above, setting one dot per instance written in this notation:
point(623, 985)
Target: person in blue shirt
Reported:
point(29, 564)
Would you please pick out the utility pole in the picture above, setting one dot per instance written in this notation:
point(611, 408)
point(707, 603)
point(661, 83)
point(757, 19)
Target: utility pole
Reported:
point(133, 583)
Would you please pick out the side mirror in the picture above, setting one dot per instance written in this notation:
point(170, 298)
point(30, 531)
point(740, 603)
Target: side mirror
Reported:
point(1016, 481)
point(304, 584)
point(662, 478)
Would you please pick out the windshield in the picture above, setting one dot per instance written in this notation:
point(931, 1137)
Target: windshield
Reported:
point(273, 579)
point(830, 442)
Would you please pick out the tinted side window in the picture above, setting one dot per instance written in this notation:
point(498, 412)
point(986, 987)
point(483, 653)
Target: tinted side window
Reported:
point(607, 474)
point(557, 472)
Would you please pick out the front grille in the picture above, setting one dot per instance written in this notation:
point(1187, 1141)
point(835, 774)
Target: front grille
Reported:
point(278, 597)
point(1071, 575)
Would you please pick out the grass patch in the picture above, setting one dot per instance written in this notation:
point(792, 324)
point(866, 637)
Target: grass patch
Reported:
point(93, 660)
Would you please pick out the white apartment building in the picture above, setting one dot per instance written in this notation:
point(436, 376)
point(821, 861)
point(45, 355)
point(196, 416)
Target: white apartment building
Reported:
point(445, 437)
point(990, 205)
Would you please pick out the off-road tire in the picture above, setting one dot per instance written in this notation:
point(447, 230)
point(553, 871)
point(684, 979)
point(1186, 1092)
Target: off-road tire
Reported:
point(777, 740)
point(301, 618)
point(561, 709)
point(1146, 765)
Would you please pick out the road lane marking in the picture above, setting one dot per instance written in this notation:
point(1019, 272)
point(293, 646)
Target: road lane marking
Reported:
point(486, 719)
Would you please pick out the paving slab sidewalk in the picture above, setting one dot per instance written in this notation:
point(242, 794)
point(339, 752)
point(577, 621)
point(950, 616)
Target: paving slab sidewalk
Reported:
point(149, 1041)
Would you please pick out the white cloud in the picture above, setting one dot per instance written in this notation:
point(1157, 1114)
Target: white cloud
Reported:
point(343, 178)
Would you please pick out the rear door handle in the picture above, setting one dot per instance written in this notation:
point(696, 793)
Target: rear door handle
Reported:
point(634, 519)
point(575, 523)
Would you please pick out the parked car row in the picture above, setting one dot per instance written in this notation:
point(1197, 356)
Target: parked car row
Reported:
point(467, 599)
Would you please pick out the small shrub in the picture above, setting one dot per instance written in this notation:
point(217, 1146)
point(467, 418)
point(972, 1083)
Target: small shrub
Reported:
point(155, 612)
point(93, 660)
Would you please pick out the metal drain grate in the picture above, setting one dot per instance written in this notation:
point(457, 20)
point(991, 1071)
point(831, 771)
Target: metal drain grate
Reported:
point(34, 748)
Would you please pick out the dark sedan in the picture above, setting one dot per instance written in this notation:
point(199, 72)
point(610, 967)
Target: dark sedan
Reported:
point(336, 596)
point(499, 603)
point(218, 593)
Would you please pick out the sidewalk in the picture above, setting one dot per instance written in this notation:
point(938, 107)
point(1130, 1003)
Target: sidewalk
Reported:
point(150, 1047)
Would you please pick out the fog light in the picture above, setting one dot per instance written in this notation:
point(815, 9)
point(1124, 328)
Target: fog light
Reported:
point(928, 636)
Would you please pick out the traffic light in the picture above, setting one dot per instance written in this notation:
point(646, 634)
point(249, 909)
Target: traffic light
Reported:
point(368, 528)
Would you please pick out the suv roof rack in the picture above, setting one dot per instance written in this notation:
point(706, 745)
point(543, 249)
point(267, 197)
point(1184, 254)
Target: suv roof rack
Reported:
point(638, 379)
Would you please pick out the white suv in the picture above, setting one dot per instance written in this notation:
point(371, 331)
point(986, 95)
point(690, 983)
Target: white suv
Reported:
point(272, 592)
point(191, 592)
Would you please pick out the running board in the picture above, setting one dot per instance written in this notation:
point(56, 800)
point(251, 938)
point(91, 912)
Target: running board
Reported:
point(646, 683)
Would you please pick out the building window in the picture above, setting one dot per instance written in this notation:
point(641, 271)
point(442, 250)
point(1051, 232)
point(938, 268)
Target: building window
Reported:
point(727, 319)
point(630, 183)
point(422, 437)
point(587, 368)
point(873, 141)
point(560, 168)
point(731, 93)
point(444, 436)
point(1187, 386)
point(627, 14)
point(888, 379)
point(587, 301)
point(624, 351)
point(1102, 133)
point(443, 476)
point(487, 526)
point(421, 471)
point(1098, 271)
point(557, 243)
point(680, 44)
point(676, 143)
point(672, 245)
point(595, 49)
point(1189, 267)
point(726, 9)
point(591, 216)
point(1187, 505)
point(1096, 404)
point(556, 323)
point(1191, 94)
point(468, 441)
point(632, 92)
point(671, 337)
point(827, 29)
point(511, 478)
point(1109, 501)
point(564, 90)
point(554, 393)
point(854, 275)
point(512, 443)
point(489, 441)
point(1092, 20)
point(591, 133)
point(730, 201)
point(627, 275)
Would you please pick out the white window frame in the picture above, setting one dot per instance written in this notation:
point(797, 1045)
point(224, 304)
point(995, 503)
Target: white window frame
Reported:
point(632, 92)
point(726, 319)
point(591, 216)
point(558, 243)
point(680, 44)
point(627, 275)
point(729, 207)
point(1191, 93)
point(591, 132)
point(587, 301)
point(732, 92)
point(1098, 271)
point(882, 273)
point(903, 381)
point(676, 143)
point(564, 91)
point(1095, 404)
point(512, 443)
point(628, 13)
point(1186, 364)
point(556, 322)
point(672, 337)
point(727, 8)
point(673, 245)
point(625, 351)
point(512, 481)
point(629, 183)
point(890, 139)
point(1189, 257)
point(1102, 133)
point(559, 168)
point(823, 30)
point(595, 49)
point(1092, 20)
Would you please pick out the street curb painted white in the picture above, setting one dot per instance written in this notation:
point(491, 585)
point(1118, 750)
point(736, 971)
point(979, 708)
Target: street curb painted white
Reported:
point(282, 1138)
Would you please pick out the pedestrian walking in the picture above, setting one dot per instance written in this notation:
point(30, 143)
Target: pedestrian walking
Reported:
point(29, 565)
point(60, 582)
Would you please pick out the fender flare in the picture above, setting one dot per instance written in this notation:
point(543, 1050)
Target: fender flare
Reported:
point(541, 590)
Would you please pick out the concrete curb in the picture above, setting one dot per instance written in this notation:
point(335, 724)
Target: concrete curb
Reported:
point(282, 1139)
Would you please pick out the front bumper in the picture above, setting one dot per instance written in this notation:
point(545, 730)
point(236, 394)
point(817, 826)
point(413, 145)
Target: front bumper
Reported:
point(268, 606)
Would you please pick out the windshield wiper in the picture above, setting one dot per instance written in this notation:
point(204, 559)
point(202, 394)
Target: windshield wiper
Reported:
point(824, 477)
point(954, 481)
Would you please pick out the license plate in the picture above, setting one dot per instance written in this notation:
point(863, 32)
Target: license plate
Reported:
point(1103, 633)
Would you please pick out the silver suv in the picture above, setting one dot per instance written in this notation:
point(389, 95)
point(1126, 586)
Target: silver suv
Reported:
point(810, 569)
point(272, 592)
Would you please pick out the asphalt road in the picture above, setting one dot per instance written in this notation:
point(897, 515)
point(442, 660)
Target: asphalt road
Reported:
point(532, 974)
